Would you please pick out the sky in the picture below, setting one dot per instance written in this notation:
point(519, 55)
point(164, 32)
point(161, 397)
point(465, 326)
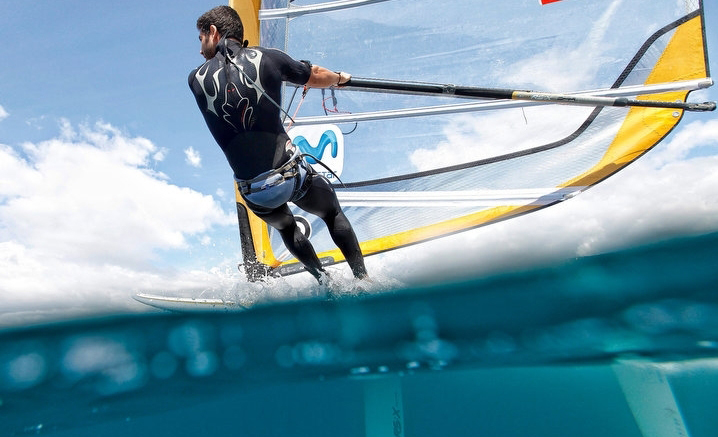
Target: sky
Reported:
point(111, 184)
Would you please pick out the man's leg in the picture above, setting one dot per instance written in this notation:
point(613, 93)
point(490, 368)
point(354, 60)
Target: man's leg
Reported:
point(321, 200)
point(296, 242)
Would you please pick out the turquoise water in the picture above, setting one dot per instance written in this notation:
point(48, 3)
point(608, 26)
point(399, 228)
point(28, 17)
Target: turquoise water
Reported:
point(570, 350)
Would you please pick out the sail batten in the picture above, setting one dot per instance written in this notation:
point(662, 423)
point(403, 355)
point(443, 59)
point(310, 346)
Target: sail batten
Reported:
point(440, 199)
point(296, 11)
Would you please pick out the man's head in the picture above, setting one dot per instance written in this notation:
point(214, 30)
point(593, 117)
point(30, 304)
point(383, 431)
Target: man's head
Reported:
point(222, 21)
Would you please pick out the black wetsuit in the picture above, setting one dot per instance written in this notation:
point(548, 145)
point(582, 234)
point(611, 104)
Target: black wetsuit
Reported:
point(243, 115)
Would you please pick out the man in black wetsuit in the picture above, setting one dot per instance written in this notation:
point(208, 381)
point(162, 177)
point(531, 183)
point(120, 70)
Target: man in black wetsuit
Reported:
point(238, 91)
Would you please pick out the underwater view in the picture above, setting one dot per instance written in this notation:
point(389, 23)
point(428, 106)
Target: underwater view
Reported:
point(619, 344)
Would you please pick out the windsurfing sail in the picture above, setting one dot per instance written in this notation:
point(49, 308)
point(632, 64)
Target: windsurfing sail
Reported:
point(415, 166)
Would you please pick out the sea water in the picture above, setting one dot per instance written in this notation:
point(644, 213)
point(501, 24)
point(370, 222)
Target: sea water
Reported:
point(621, 344)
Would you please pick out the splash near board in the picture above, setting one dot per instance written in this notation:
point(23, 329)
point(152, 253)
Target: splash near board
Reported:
point(235, 295)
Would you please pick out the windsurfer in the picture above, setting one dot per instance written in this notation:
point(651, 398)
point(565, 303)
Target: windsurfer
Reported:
point(237, 90)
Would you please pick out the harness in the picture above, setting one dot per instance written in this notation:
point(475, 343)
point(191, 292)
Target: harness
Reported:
point(270, 178)
point(276, 187)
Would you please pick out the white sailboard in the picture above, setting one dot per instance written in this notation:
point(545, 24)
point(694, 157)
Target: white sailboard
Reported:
point(189, 304)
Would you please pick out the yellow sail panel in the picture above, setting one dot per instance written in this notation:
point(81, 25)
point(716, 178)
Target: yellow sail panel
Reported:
point(643, 128)
point(684, 58)
point(248, 11)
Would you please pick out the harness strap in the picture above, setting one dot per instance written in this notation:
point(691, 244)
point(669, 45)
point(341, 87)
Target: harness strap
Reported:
point(251, 81)
point(286, 171)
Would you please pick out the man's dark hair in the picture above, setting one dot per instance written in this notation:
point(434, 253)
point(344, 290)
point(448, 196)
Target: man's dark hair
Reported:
point(226, 19)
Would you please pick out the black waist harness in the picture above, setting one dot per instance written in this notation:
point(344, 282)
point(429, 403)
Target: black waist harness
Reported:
point(270, 178)
point(276, 187)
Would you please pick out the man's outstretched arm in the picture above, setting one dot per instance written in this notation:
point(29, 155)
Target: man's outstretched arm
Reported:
point(324, 78)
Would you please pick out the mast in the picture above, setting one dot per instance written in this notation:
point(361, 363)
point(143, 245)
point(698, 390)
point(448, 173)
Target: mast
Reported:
point(253, 232)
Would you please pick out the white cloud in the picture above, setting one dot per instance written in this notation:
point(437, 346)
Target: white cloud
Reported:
point(84, 213)
point(37, 123)
point(160, 154)
point(192, 157)
point(3, 113)
point(564, 69)
point(474, 137)
point(692, 138)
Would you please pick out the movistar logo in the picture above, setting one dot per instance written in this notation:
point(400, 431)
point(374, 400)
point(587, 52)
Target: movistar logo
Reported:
point(323, 142)
point(328, 139)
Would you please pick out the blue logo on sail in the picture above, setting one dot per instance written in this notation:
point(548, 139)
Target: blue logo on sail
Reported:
point(327, 139)
point(324, 143)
